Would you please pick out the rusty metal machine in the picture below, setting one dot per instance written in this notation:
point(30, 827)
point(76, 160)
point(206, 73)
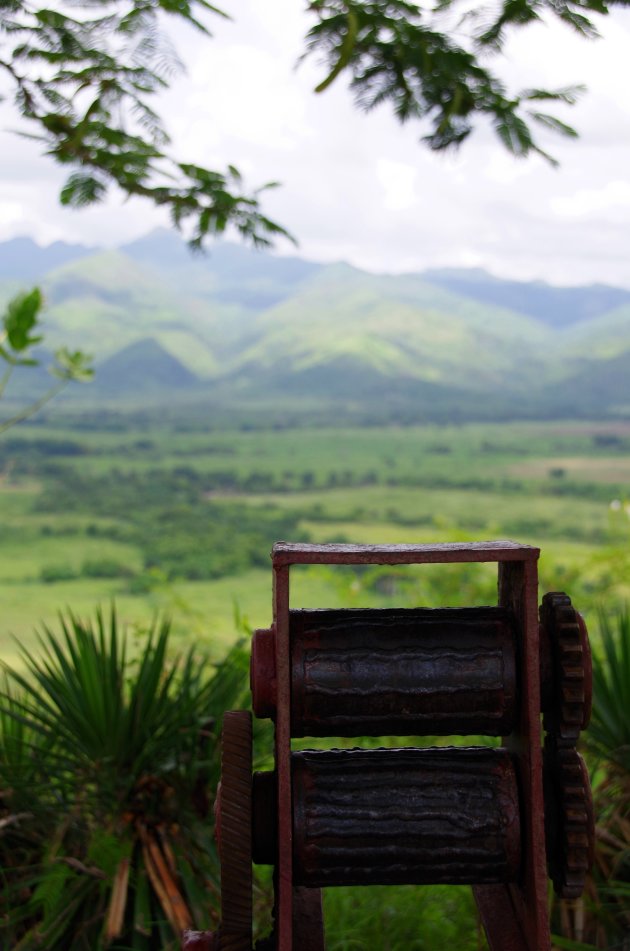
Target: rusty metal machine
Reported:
point(502, 818)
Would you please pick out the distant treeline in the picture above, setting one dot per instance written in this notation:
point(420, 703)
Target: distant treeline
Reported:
point(179, 532)
point(186, 484)
point(186, 525)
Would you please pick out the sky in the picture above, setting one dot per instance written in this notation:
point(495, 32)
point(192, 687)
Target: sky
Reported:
point(364, 189)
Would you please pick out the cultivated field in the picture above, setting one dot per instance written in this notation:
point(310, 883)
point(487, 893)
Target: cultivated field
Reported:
point(181, 518)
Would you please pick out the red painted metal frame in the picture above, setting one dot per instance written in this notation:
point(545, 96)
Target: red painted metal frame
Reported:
point(284, 867)
point(515, 916)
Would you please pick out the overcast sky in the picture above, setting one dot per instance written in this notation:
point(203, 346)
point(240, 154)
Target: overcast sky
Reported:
point(361, 188)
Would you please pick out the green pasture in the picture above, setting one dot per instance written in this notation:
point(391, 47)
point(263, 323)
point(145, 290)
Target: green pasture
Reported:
point(515, 451)
point(563, 487)
point(526, 515)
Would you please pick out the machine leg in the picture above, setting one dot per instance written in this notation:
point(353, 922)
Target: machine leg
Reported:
point(308, 919)
point(499, 918)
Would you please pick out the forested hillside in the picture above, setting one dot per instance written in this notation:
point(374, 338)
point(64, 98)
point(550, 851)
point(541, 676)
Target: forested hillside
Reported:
point(249, 333)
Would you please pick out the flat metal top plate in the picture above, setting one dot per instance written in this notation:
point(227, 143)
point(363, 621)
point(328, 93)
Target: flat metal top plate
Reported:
point(296, 553)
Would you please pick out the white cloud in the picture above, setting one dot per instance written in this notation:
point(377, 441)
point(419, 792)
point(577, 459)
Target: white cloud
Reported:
point(10, 213)
point(243, 94)
point(612, 198)
point(398, 180)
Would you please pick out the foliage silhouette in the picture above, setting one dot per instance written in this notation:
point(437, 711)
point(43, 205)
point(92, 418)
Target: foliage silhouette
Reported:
point(85, 76)
point(108, 753)
point(18, 335)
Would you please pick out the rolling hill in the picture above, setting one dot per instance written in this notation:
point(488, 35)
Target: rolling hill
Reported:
point(253, 332)
point(556, 306)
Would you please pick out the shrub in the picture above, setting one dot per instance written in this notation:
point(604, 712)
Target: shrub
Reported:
point(105, 568)
point(106, 760)
point(60, 572)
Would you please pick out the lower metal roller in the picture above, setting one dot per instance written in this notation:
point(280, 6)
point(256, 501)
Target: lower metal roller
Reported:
point(399, 816)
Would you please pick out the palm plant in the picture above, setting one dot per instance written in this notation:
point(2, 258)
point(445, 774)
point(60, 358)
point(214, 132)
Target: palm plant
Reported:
point(609, 742)
point(602, 917)
point(106, 762)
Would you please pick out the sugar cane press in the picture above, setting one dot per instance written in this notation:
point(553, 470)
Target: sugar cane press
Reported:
point(501, 818)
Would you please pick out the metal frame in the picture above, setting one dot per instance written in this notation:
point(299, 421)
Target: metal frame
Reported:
point(515, 916)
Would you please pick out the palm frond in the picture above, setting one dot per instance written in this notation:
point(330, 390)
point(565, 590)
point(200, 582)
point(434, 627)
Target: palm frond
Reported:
point(609, 732)
point(108, 762)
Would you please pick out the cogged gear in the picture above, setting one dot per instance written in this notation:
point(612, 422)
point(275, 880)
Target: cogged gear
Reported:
point(569, 826)
point(234, 827)
point(566, 667)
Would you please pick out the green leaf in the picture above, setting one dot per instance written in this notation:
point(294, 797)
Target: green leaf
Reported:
point(28, 361)
point(568, 94)
point(7, 356)
point(106, 849)
point(579, 22)
point(345, 51)
point(514, 133)
point(50, 891)
point(21, 318)
point(553, 123)
point(72, 365)
point(608, 735)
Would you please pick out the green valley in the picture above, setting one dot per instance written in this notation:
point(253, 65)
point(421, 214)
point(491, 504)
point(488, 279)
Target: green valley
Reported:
point(255, 338)
point(163, 517)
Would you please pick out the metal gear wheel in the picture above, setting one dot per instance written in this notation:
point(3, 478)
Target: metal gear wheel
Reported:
point(234, 832)
point(569, 826)
point(566, 667)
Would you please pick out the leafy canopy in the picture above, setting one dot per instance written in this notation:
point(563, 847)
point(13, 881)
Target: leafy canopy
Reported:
point(85, 71)
point(430, 63)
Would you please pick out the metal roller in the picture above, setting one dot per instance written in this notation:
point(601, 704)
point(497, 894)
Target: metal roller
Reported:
point(399, 816)
point(403, 672)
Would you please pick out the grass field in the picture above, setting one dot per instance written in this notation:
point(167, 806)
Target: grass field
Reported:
point(563, 487)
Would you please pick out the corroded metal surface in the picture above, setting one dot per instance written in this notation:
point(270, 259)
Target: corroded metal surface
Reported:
point(262, 673)
point(234, 825)
point(308, 919)
point(566, 672)
point(265, 818)
point(569, 818)
point(501, 918)
point(403, 672)
point(566, 675)
point(518, 592)
point(291, 553)
point(284, 867)
point(405, 816)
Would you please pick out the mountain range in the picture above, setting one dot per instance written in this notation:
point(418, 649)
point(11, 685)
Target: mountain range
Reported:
point(251, 333)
